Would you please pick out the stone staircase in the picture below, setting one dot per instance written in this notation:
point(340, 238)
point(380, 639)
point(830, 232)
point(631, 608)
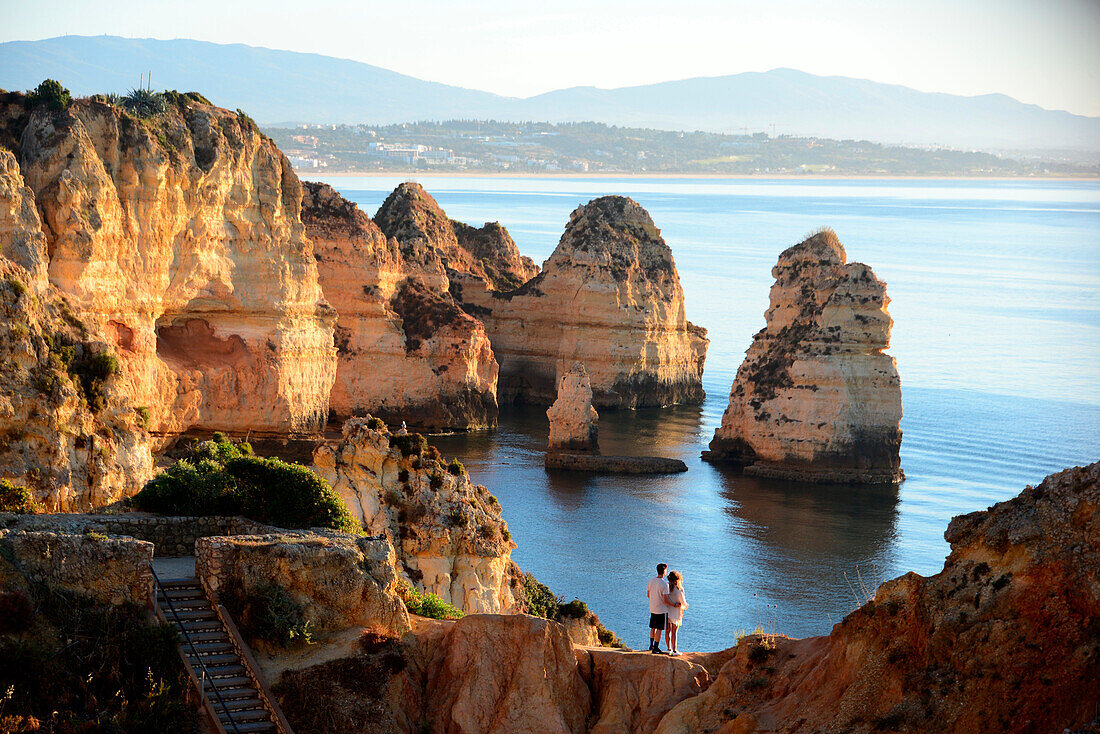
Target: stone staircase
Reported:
point(218, 660)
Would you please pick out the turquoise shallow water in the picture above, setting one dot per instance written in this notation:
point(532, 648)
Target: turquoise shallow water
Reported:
point(995, 289)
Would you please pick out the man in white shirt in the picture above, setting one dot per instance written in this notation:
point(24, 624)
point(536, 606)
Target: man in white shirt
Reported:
point(657, 591)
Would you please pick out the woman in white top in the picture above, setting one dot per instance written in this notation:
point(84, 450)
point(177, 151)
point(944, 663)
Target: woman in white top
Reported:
point(677, 603)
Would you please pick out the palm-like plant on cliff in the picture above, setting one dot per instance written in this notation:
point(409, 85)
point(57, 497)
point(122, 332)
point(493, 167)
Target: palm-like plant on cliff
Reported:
point(144, 102)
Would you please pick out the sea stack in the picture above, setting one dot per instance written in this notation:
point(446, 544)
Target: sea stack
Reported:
point(816, 399)
point(406, 351)
point(573, 420)
point(609, 297)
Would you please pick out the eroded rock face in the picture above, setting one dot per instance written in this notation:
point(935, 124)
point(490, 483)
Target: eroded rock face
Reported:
point(427, 238)
point(68, 430)
point(633, 691)
point(504, 674)
point(1004, 638)
point(406, 351)
point(448, 533)
point(341, 580)
point(179, 239)
point(816, 399)
point(573, 420)
point(609, 297)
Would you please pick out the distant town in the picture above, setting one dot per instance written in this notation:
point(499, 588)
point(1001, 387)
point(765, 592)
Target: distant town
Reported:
point(587, 148)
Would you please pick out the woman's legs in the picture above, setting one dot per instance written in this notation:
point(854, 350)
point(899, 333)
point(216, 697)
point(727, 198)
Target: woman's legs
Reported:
point(672, 630)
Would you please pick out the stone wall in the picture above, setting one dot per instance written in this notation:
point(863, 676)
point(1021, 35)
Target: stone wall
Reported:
point(171, 536)
point(109, 570)
point(342, 580)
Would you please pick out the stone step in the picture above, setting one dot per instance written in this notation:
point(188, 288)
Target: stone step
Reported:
point(244, 715)
point(250, 727)
point(231, 693)
point(207, 648)
point(239, 704)
point(200, 625)
point(230, 684)
point(225, 670)
point(180, 593)
point(213, 635)
point(181, 583)
point(193, 614)
point(213, 659)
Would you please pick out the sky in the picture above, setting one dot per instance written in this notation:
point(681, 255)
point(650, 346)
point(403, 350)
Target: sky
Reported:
point(1043, 52)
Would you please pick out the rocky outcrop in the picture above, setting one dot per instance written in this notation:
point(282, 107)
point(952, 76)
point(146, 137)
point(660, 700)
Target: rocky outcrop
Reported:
point(429, 239)
point(633, 691)
point(340, 580)
point(68, 430)
point(574, 434)
point(599, 464)
point(493, 256)
point(448, 533)
point(1004, 638)
point(177, 239)
point(406, 351)
point(573, 420)
point(108, 570)
point(816, 399)
point(503, 674)
point(609, 297)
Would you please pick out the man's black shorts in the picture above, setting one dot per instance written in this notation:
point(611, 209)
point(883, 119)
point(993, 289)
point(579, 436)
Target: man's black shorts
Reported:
point(657, 621)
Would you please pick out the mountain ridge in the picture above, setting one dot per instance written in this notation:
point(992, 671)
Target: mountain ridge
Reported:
point(282, 86)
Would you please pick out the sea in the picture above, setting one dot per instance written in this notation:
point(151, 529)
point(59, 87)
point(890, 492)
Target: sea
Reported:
point(995, 295)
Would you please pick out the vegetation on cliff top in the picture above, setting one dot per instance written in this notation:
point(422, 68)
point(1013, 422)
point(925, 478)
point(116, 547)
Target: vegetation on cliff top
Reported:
point(426, 604)
point(69, 665)
point(220, 477)
point(16, 498)
point(541, 602)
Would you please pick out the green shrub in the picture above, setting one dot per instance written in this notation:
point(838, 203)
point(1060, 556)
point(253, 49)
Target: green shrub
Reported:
point(759, 652)
point(456, 468)
point(575, 609)
point(223, 478)
point(541, 602)
point(51, 94)
point(435, 480)
point(608, 638)
point(90, 371)
point(377, 424)
point(16, 498)
point(17, 286)
point(268, 612)
point(143, 416)
point(144, 103)
point(427, 605)
point(456, 517)
point(411, 444)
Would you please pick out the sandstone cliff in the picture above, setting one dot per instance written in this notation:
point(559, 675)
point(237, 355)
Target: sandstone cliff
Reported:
point(68, 430)
point(448, 534)
point(177, 239)
point(573, 420)
point(428, 239)
point(816, 398)
point(406, 351)
point(1004, 638)
point(610, 297)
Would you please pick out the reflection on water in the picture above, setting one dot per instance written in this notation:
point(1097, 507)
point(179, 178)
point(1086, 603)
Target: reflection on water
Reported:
point(742, 543)
point(822, 548)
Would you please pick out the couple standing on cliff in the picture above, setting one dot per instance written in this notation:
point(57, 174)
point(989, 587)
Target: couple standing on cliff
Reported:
point(667, 603)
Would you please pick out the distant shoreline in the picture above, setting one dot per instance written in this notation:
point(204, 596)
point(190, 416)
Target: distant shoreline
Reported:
point(307, 172)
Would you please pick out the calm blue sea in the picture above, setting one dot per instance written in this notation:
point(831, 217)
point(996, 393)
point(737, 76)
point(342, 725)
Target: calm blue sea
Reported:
point(995, 289)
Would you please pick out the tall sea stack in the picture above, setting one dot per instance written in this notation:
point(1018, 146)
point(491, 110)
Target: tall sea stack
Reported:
point(816, 399)
point(609, 297)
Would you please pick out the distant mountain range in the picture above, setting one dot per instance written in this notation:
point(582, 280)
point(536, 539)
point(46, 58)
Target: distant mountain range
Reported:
point(285, 86)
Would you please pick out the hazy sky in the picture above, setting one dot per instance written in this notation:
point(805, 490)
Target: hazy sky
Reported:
point(1042, 51)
